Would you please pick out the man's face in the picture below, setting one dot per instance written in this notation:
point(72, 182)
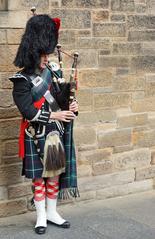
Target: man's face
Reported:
point(43, 61)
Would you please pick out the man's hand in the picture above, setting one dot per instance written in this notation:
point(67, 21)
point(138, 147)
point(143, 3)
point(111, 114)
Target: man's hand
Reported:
point(65, 116)
point(73, 106)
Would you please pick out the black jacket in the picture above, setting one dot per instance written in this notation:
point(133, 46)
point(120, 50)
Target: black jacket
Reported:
point(23, 98)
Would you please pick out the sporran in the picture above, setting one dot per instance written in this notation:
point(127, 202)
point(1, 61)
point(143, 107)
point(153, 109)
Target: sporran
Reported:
point(54, 159)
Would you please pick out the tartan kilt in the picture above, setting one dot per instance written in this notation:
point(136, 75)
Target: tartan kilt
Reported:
point(32, 165)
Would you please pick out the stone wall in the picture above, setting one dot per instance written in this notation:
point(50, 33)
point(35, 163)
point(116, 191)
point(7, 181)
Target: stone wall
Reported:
point(115, 130)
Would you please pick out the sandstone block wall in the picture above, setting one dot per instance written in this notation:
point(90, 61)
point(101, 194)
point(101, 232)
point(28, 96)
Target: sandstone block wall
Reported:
point(115, 130)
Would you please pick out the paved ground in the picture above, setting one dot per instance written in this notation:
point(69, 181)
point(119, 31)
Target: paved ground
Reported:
point(128, 217)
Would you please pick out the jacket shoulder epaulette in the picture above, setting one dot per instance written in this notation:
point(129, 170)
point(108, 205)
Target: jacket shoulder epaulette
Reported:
point(17, 76)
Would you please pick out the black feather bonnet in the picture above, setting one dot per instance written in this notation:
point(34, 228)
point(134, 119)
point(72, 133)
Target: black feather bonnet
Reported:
point(40, 37)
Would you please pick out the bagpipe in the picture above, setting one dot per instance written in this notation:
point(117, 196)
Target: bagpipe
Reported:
point(58, 74)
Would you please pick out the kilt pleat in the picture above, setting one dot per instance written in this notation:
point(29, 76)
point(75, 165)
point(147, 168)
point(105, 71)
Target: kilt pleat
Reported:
point(32, 165)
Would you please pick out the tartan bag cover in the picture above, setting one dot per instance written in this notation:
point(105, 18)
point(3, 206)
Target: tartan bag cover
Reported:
point(68, 180)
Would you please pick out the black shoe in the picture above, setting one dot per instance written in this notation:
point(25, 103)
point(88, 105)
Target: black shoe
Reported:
point(40, 230)
point(66, 224)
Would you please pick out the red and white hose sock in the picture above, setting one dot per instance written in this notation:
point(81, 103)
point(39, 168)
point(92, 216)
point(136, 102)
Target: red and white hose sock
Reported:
point(52, 187)
point(39, 189)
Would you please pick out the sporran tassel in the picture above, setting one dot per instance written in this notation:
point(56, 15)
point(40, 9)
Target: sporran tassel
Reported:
point(54, 157)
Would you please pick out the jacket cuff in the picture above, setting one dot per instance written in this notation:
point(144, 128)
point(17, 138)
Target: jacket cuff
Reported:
point(42, 116)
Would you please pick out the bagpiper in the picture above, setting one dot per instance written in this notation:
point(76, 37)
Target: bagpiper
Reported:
point(46, 132)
